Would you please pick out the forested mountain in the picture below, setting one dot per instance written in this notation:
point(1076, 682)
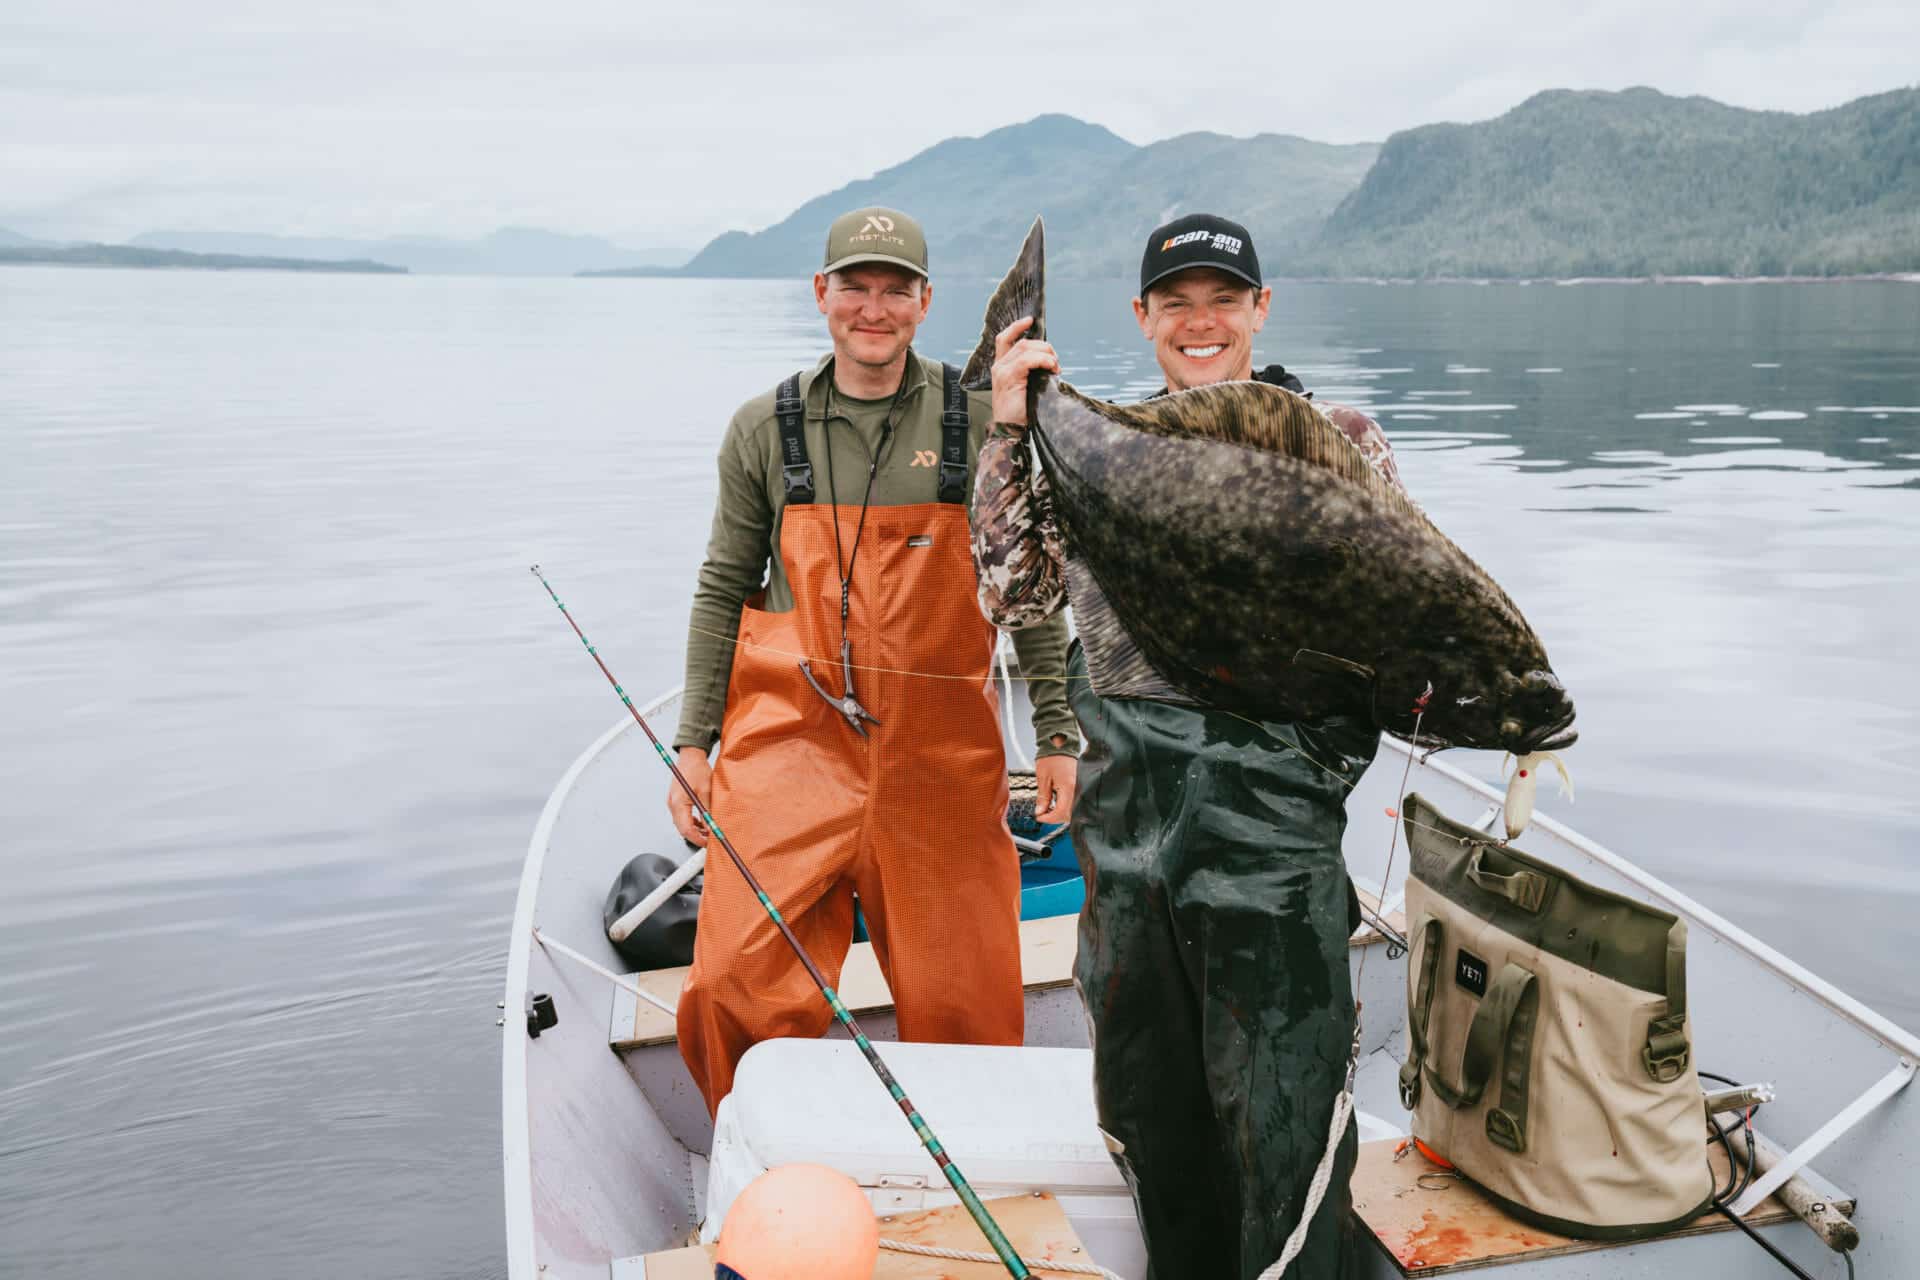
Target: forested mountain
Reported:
point(1568, 183)
point(1638, 183)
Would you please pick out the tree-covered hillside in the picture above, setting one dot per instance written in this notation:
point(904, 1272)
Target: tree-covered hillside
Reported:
point(1638, 183)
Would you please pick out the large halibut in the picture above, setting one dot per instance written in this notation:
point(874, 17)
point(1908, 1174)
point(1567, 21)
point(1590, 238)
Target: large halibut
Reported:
point(1230, 547)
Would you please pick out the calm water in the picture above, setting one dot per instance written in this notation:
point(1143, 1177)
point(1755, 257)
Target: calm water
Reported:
point(281, 702)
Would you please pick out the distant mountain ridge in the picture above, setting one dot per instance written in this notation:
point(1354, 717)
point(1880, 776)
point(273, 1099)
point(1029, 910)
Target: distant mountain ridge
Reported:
point(1568, 183)
point(1098, 192)
point(126, 255)
point(509, 251)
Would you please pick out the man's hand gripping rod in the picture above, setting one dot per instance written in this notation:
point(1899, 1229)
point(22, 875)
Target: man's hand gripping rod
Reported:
point(1002, 1247)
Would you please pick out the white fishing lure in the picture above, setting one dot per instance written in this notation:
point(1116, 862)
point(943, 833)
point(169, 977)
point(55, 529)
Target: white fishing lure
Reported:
point(1518, 809)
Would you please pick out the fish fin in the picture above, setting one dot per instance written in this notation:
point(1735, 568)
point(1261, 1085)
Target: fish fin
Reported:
point(1115, 664)
point(1022, 293)
point(1253, 415)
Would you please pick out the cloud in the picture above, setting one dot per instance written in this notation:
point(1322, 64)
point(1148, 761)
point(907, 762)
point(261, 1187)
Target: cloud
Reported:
point(665, 125)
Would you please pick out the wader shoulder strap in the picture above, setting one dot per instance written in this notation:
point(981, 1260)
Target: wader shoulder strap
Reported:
point(953, 437)
point(791, 412)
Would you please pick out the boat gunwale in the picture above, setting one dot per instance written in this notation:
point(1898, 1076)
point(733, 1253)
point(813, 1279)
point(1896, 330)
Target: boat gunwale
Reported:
point(515, 1117)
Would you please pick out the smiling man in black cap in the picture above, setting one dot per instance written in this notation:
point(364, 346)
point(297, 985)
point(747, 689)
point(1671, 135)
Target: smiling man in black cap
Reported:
point(1213, 944)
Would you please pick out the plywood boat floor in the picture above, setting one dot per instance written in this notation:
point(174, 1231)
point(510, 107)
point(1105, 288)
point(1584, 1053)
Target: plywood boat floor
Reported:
point(1034, 1223)
point(1434, 1224)
point(1046, 960)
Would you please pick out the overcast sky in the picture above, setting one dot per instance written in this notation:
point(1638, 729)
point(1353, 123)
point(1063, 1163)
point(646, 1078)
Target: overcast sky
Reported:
point(662, 125)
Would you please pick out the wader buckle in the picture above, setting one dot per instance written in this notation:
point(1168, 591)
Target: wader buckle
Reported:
point(798, 481)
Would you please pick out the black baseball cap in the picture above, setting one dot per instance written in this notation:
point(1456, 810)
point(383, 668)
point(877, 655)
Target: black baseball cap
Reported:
point(1199, 240)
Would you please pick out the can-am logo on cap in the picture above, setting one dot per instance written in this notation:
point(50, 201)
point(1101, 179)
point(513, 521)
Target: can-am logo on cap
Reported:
point(877, 222)
point(1221, 241)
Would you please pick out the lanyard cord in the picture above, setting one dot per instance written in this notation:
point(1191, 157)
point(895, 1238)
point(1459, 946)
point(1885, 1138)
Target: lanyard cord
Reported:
point(845, 571)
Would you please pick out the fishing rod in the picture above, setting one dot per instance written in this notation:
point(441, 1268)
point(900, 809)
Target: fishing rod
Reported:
point(1008, 1255)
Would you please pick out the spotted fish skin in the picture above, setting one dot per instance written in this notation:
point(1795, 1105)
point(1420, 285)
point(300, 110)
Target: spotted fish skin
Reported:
point(1229, 546)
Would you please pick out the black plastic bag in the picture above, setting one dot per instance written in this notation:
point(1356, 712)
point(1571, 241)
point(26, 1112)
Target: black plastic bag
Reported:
point(664, 939)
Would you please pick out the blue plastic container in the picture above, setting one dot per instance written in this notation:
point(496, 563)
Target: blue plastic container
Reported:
point(1049, 886)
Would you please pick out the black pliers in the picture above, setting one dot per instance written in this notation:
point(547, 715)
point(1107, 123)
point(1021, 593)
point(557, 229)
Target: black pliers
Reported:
point(848, 706)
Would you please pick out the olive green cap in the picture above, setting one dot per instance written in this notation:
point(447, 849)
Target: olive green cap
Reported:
point(876, 235)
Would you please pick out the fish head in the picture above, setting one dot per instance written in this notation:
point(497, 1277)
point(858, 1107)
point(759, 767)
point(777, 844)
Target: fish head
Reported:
point(1535, 713)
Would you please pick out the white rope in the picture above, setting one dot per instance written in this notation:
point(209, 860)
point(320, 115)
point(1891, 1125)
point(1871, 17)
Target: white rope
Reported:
point(618, 981)
point(1001, 644)
point(964, 1255)
point(1317, 1190)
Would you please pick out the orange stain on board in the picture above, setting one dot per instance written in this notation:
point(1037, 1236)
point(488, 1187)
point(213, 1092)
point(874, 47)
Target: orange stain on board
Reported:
point(1433, 1245)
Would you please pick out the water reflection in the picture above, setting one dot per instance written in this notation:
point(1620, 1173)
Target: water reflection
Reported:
point(282, 706)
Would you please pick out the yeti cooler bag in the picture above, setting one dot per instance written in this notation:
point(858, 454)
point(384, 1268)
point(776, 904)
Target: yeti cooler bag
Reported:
point(1548, 1053)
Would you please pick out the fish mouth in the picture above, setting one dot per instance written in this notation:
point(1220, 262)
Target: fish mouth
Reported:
point(1550, 737)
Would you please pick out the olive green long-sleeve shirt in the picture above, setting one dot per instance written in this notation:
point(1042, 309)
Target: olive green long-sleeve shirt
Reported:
point(743, 550)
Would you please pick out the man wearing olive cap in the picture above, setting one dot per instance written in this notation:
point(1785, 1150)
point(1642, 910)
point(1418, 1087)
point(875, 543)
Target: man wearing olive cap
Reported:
point(837, 653)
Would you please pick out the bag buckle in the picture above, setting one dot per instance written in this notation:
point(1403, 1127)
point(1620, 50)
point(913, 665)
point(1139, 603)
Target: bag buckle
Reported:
point(1503, 1131)
point(798, 476)
point(1409, 1083)
point(1666, 1053)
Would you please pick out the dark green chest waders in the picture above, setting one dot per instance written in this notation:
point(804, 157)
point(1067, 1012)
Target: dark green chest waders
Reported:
point(1213, 964)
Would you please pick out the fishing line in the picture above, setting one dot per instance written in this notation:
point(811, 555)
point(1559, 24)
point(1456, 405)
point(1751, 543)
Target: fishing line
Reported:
point(1002, 1247)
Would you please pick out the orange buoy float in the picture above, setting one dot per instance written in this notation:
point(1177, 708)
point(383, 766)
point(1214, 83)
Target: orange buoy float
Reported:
point(800, 1222)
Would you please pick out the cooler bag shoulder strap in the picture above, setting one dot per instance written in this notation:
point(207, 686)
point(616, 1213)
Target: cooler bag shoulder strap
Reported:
point(1419, 1011)
point(1488, 1036)
point(1502, 1030)
point(1667, 1052)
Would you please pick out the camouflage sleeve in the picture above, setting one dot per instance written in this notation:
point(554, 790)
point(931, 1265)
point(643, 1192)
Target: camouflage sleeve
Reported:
point(1016, 544)
point(1366, 433)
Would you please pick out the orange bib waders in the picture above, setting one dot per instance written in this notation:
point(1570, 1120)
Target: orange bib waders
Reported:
point(911, 817)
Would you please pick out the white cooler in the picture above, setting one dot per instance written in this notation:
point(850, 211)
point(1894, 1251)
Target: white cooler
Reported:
point(1015, 1120)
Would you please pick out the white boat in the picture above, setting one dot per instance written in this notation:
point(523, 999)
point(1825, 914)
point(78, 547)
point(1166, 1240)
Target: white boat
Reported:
point(607, 1145)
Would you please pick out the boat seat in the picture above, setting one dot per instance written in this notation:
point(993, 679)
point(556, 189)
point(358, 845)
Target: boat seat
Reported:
point(1017, 1120)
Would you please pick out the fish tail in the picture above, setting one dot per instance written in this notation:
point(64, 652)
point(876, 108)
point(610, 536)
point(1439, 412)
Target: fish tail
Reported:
point(1022, 293)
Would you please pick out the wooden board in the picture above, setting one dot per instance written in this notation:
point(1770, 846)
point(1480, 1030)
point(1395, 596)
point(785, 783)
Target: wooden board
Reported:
point(1047, 948)
point(1447, 1225)
point(1034, 1223)
point(1366, 935)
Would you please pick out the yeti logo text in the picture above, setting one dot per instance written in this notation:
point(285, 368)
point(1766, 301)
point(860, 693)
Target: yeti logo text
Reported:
point(877, 222)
